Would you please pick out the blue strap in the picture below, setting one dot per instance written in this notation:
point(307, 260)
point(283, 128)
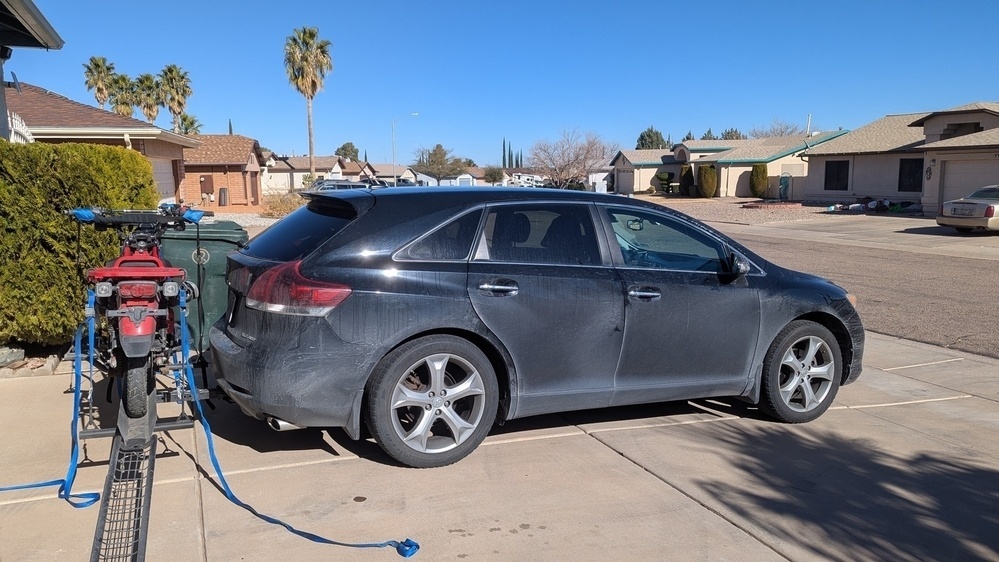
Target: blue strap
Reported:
point(406, 548)
point(66, 484)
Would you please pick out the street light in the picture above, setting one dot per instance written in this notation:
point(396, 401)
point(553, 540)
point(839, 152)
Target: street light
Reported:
point(395, 174)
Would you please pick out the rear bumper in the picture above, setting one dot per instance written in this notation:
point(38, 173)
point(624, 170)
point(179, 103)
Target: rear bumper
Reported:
point(988, 223)
point(310, 389)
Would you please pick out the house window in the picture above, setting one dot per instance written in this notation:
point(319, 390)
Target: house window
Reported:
point(837, 175)
point(910, 175)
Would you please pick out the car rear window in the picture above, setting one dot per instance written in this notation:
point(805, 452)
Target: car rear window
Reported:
point(300, 233)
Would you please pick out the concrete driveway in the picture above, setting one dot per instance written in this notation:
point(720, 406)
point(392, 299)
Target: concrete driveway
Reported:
point(902, 467)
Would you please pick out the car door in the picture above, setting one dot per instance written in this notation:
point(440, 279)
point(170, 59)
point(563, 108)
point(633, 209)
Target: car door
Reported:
point(540, 280)
point(691, 326)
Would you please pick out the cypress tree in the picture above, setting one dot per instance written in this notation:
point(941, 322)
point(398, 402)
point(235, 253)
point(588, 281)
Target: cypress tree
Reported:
point(504, 153)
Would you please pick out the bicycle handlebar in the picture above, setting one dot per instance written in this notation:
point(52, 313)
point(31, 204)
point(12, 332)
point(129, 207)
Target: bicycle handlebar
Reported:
point(168, 216)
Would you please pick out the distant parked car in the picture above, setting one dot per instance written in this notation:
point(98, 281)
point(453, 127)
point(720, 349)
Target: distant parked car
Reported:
point(325, 185)
point(976, 211)
point(430, 313)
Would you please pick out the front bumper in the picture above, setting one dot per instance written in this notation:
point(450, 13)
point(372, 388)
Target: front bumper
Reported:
point(301, 386)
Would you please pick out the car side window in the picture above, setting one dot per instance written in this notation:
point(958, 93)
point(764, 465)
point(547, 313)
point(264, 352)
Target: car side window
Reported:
point(449, 242)
point(541, 234)
point(650, 240)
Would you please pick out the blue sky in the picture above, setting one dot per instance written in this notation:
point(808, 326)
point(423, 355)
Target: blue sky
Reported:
point(480, 71)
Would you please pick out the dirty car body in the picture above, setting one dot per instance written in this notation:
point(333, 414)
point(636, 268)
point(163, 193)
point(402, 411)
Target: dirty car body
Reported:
point(430, 313)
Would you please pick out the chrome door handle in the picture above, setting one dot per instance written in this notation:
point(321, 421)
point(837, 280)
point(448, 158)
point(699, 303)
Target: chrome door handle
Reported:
point(644, 293)
point(510, 289)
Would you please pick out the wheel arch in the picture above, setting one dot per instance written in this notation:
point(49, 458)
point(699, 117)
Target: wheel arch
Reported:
point(498, 357)
point(840, 332)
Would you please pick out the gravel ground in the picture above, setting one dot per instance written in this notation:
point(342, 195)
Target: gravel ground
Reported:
point(733, 210)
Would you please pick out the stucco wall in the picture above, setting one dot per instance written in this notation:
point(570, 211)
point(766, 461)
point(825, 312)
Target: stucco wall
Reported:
point(871, 175)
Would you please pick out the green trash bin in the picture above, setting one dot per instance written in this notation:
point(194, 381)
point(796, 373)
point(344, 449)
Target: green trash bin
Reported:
point(180, 248)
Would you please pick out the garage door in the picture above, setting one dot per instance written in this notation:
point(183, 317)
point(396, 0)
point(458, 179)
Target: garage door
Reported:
point(961, 177)
point(163, 175)
point(625, 182)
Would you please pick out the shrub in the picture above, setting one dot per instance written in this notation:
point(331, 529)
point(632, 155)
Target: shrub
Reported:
point(707, 180)
point(665, 179)
point(759, 180)
point(277, 206)
point(42, 258)
point(686, 180)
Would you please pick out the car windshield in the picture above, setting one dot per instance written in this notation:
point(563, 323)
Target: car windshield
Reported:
point(986, 193)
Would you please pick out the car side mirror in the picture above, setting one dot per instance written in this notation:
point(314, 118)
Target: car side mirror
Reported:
point(738, 265)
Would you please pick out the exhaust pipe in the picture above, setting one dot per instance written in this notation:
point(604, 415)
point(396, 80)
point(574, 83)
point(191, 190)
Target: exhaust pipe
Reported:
point(278, 424)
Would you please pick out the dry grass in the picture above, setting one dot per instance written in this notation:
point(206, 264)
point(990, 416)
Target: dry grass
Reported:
point(278, 206)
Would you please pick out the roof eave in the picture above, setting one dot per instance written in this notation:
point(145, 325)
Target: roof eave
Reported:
point(31, 17)
point(113, 133)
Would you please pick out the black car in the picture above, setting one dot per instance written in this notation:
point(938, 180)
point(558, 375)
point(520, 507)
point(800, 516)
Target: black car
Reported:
point(433, 312)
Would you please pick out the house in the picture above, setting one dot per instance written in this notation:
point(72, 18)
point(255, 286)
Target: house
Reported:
point(635, 170)
point(224, 171)
point(50, 117)
point(424, 179)
point(357, 171)
point(464, 179)
point(928, 157)
point(389, 173)
point(734, 164)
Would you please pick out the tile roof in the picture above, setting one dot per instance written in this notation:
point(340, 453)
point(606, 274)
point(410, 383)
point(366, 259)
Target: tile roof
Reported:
point(39, 107)
point(891, 133)
point(649, 157)
point(222, 149)
point(770, 148)
point(981, 139)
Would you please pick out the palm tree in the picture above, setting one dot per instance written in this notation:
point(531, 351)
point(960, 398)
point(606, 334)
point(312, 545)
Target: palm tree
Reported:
point(176, 90)
point(121, 94)
point(189, 125)
point(307, 60)
point(97, 75)
point(148, 96)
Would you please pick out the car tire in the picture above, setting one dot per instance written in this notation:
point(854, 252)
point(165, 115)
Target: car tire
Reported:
point(431, 401)
point(801, 373)
point(136, 396)
point(963, 229)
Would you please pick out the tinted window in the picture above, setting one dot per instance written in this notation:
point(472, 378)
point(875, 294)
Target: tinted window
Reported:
point(654, 241)
point(449, 242)
point(910, 174)
point(549, 234)
point(837, 175)
point(301, 232)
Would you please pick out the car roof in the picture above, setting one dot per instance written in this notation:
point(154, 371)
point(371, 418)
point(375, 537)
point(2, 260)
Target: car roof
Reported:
point(466, 196)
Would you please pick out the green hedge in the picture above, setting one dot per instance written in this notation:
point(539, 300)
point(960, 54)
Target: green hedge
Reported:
point(40, 270)
point(686, 180)
point(759, 180)
point(707, 180)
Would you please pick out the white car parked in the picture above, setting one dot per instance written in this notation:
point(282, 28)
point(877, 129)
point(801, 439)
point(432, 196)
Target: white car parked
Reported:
point(975, 211)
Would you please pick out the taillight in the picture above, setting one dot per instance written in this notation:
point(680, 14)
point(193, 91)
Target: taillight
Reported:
point(137, 289)
point(990, 211)
point(283, 289)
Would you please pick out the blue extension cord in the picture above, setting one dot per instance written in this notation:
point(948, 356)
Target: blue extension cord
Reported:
point(406, 548)
point(66, 484)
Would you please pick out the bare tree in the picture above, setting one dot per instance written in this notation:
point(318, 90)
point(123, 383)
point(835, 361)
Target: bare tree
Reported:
point(571, 157)
point(777, 128)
